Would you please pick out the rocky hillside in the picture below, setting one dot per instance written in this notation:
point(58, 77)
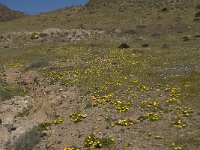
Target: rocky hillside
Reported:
point(114, 14)
point(7, 14)
point(156, 4)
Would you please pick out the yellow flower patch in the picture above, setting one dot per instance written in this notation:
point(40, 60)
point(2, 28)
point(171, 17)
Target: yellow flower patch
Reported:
point(124, 122)
point(58, 121)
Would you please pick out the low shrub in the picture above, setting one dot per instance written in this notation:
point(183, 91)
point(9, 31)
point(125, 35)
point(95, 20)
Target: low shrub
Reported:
point(165, 9)
point(28, 140)
point(165, 46)
point(145, 45)
point(197, 14)
point(38, 64)
point(8, 91)
point(124, 45)
point(34, 36)
point(198, 6)
point(185, 38)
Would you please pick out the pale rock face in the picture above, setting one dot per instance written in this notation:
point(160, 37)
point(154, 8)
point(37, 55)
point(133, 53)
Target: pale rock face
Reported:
point(52, 31)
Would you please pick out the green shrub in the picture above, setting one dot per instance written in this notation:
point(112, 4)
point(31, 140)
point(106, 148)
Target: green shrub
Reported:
point(197, 14)
point(94, 142)
point(8, 91)
point(185, 38)
point(38, 64)
point(198, 6)
point(197, 19)
point(1, 37)
point(28, 140)
point(2, 82)
point(165, 9)
point(25, 112)
point(34, 36)
point(145, 45)
point(124, 45)
point(165, 46)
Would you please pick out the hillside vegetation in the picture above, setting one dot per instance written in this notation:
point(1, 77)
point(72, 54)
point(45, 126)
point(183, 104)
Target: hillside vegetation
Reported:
point(110, 75)
point(114, 14)
point(7, 14)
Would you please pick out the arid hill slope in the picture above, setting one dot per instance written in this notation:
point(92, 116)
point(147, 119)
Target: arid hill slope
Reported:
point(112, 14)
point(7, 14)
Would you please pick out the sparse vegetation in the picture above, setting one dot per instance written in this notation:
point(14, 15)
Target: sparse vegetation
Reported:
point(28, 140)
point(93, 142)
point(124, 45)
point(165, 46)
point(133, 11)
point(197, 14)
point(71, 148)
point(109, 119)
point(164, 9)
point(35, 36)
point(57, 121)
point(25, 112)
point(134, 80)
point(145, 45)
point(37, 65)
point(6, 14)
point(8, 91)
point(198, 6)
point(186, 38)
point(76, 117)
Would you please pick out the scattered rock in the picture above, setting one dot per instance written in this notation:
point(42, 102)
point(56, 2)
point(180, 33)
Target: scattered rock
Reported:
point(84, 115)
point(158, 137)
point(52, 31)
